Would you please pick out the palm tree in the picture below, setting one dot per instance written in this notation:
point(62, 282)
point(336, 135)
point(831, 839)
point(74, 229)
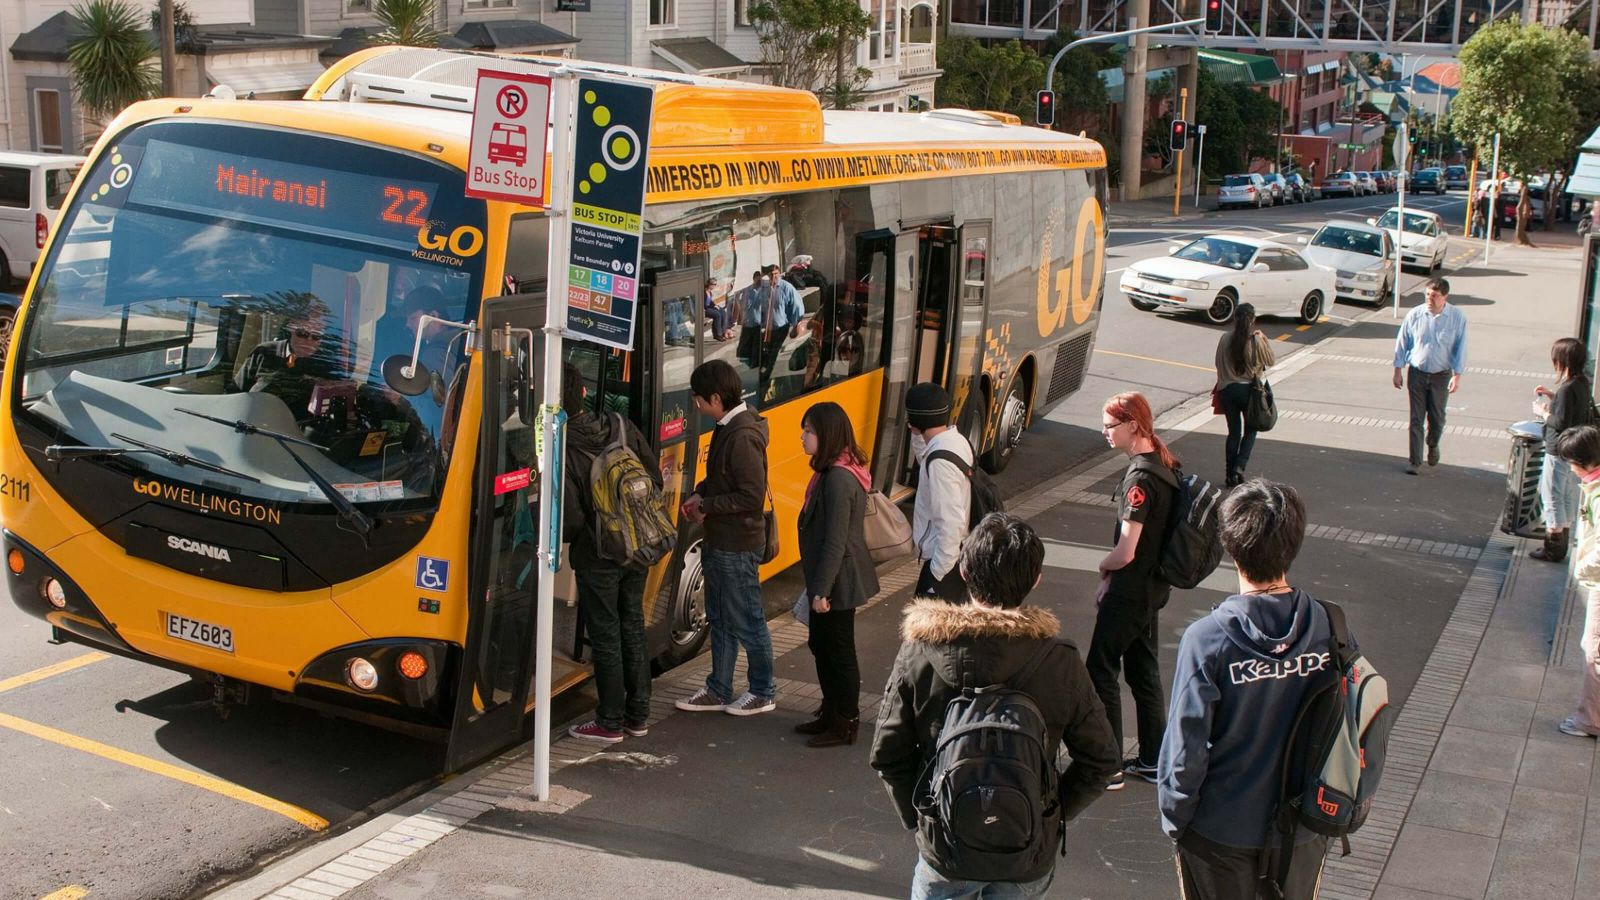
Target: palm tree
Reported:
point(408, 22)
point(112, 58)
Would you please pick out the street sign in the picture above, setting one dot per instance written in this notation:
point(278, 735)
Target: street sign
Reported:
point(608, 178)
point(510, 118)
point(1352, 146)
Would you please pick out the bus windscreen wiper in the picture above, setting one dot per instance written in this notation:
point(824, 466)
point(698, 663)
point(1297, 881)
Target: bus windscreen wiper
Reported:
point(348, 513)
point(67, 452)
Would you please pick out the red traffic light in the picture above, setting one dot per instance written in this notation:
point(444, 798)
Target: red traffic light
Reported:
point(1213, 16)
point(1044, 112)
point(1180, 134)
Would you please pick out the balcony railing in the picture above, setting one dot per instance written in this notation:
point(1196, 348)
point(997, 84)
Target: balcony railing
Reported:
point(917, 58)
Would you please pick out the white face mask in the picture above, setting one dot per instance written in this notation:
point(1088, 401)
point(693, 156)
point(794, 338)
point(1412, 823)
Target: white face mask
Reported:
point(919, 445)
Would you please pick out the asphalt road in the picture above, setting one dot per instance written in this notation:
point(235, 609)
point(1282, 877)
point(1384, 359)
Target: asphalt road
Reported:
point(122, 778)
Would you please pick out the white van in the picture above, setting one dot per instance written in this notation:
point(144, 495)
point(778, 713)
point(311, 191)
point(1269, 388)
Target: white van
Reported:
point(33, 186)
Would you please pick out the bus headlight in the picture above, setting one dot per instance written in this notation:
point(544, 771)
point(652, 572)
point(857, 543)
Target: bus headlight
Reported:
point(361, 675)
point(51, 590)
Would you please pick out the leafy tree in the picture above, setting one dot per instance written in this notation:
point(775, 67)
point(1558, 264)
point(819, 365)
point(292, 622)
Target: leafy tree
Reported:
point(185, 32)
point(407, 22)
point(1241, 124)
point(111, 59)
point(1081, 101)
point(1007, 77)
point(811, 45)
point(1528, 83)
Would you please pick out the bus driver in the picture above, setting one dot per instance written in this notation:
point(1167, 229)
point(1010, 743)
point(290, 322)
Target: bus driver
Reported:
point(290, 367)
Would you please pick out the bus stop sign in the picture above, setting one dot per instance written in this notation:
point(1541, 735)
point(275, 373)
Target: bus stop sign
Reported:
point(510, 118)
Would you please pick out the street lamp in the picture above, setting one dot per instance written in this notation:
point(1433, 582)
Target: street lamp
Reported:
point(1283, 100)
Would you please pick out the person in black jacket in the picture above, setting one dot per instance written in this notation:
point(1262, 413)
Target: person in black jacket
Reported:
point(988, 641)
point(610, 594)
point(838, 569)
point(729, 503)
point(1570, 404)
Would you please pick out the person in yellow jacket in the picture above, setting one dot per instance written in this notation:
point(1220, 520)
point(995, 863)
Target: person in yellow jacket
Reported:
point(1580, 447)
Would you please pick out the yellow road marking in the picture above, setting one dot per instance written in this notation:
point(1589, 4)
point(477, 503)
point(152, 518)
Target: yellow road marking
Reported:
point(1165, 362)
point(40, 674)
point(1302, 328)
point(157, 767)
point(70, 892)
point(1281, 337)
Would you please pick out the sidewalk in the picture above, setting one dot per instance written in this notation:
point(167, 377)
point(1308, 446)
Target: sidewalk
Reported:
point(1159, 211)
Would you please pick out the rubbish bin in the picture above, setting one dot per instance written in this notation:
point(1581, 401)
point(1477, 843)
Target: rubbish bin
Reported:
point(1524, 514)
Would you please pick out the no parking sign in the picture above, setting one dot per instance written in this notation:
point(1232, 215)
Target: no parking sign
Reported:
point(510, 119)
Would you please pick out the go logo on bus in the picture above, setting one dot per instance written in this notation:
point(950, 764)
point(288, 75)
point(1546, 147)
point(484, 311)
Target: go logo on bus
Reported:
point(1071, 294)
point(464, 241)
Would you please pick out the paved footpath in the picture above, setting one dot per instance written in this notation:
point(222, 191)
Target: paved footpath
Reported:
point(1483, 797)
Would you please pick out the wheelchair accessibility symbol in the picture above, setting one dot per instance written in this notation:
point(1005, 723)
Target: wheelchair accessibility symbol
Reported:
point(433, 574)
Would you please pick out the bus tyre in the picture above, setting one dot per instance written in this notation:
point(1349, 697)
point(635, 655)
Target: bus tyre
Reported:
point(1221, 310)
point(973, 417)
point(1142, 305)
point(689, 626)
point(1008, 434)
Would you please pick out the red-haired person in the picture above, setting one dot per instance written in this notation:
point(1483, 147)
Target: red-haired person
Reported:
point(1130, 591)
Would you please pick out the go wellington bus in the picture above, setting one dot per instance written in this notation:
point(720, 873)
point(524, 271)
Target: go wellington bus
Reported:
point(216, 456)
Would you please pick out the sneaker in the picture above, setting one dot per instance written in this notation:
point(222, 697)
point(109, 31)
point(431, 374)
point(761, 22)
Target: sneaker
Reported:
point(750, 705)
point(1139, 770)
point(594, 731)
point(1411, 470)
point(702, 701)
point(1570, 725)
point(1433, 456)
point(1116, 783)
point(639, 729)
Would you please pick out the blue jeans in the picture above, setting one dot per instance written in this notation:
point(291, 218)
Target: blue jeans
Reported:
point(733, 605)
point(930, 885)
point(1558, 490)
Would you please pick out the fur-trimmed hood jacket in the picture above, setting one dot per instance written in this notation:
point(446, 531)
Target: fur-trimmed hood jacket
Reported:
point(950, 645)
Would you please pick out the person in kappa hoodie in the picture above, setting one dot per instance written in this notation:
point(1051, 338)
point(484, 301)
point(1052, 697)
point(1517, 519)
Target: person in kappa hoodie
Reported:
point(1241, 675)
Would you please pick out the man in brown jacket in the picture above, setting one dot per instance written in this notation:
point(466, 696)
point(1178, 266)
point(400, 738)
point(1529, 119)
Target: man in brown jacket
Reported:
point(729, 503)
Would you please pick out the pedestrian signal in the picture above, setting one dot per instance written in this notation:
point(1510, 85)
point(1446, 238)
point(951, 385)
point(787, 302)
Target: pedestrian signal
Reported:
point(1213, 16)
point(1180, 134)
point(1044, 112)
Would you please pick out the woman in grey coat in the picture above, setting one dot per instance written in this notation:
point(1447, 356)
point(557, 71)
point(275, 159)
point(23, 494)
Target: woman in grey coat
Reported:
point(839, 572)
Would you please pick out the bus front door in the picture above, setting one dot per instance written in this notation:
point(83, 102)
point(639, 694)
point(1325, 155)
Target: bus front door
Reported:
point(502, 571)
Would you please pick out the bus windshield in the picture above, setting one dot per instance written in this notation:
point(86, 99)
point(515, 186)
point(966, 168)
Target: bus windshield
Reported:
point(256, 275)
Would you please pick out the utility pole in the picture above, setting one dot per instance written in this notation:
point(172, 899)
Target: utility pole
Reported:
point(169, 52)
point(1199, 159)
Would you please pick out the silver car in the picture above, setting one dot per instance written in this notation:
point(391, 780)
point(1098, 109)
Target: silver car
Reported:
point(1243, 190)
point(1362, 257)
point(1368, 185)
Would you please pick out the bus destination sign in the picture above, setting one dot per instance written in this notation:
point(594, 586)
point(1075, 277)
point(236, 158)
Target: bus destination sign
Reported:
point(608, 181)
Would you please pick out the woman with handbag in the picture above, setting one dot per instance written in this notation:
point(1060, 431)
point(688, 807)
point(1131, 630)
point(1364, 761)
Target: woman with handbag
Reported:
point(1243, 356)
point(1566, 406)
point(838, 571)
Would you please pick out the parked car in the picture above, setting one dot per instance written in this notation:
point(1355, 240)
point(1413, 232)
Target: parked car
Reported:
point(1342, 184)
point(1505, 206)
point(1368, 184)
point(1427, 180)
point(1303, 191)
point(1243, 190)
point(33, 187)
point(1279, 188)
point(1383, 182)
point(1455, 178)
point(1213, 275)
point(1362, 257)
point(1424, 243)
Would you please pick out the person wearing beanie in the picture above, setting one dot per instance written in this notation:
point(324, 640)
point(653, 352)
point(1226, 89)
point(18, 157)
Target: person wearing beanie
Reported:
point(939, 523)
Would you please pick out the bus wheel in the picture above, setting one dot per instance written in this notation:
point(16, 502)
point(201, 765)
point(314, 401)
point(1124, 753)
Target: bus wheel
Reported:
point(972, 421)
point(1013, 419)
point(689, 624)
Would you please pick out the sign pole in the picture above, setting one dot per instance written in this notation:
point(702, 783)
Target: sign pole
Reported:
point(1494, 197)
point(1402, 148)
point(559, 192)
point(1472, 190)
point(1177, 185)
point(1199, 159)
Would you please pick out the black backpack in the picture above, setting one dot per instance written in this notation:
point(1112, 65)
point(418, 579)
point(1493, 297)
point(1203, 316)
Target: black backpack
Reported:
point(984, 496)
point(1334, 758)
point(988, 801)
point(1192, 548)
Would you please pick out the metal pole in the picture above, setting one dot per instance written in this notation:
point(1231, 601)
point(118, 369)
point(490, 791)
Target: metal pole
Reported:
point(1494, 197)
point(563, 91)
point(1400, 183)
point(1111, 38)
point(1199, 160)
point(1177, 186)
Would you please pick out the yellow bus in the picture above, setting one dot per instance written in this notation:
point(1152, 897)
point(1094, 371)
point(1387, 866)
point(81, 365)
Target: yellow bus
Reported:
point(211, 459)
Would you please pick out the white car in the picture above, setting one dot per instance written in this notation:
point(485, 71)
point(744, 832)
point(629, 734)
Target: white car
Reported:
point(1213, 275)
point(1424, 243)
point(1362, 257)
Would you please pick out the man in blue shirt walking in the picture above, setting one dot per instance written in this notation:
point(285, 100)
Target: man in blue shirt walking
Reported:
point(1430, 351)
point(774, 312)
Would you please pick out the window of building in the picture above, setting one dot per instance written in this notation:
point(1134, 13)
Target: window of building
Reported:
point(357, 5)
point(489, 4)
point(875, 49)
point(47, 115)
point(663, 12)
point(741, 12)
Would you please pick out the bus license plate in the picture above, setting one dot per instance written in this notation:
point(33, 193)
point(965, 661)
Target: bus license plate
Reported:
point(206, 635)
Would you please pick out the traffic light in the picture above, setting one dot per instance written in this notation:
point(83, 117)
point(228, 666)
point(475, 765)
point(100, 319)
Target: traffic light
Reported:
point(1180, 134)
point(1412, 137)
point(1213, 16)
point(1044, 111)
point(1422, 150)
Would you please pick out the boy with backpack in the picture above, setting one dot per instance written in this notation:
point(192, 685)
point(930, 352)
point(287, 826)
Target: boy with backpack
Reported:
point(610, 588)
point(1249, 736)
point(952, 493)
point(985, 798)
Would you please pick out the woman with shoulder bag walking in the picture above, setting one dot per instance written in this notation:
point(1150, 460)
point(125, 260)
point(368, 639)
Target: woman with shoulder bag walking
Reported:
point(838, 571)
point(1568, 405)
point(1243, 355)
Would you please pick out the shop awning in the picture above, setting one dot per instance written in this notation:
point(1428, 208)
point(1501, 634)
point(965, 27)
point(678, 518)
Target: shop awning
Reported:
point(264, 79)
point(1586, 177)
point(1246, 68)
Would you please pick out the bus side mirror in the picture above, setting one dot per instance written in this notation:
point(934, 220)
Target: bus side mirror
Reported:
point(403, 377)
